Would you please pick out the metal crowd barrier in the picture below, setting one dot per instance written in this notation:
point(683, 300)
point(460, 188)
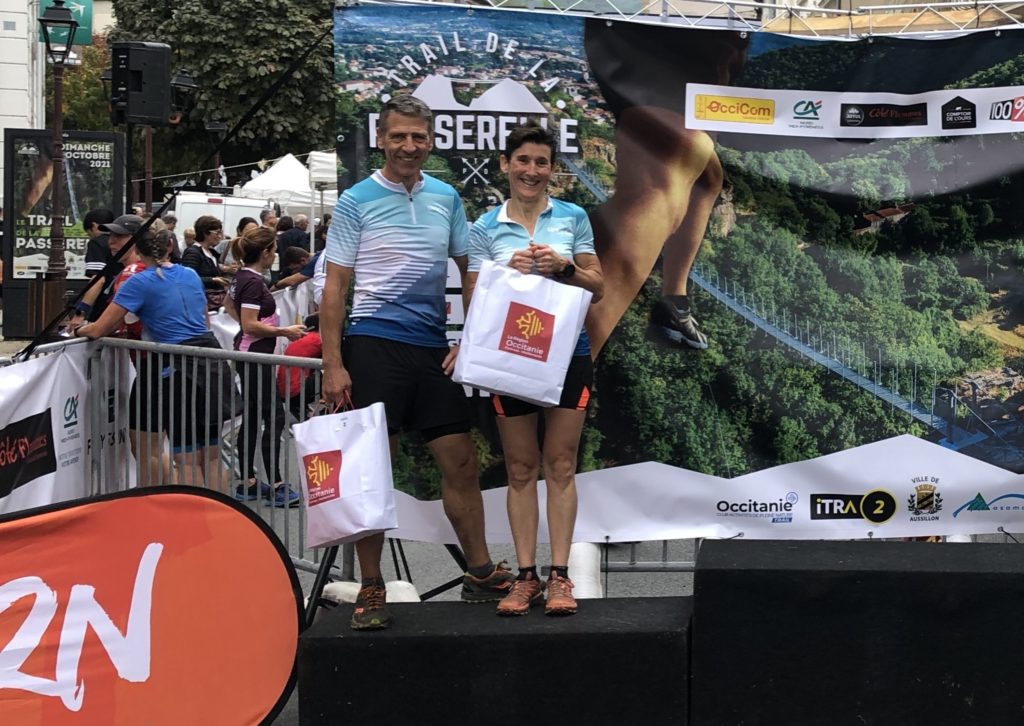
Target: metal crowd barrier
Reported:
point(179, 385)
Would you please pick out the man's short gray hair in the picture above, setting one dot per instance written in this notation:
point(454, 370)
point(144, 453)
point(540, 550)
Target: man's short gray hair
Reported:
point(300, 220)
point(405, 105)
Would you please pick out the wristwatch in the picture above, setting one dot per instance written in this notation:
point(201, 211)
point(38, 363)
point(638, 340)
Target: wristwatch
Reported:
point(568, 271)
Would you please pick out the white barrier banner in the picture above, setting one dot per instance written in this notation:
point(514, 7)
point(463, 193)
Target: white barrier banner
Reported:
point(43, 431)
point(899, 487)
point(848, 115)
point(111, 381)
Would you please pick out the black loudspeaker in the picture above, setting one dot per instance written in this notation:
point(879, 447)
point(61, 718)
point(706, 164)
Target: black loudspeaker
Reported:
point(857, 634)
point(140, 83)
point(616, 662)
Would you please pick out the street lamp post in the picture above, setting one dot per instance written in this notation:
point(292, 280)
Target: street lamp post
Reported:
point(58, 26)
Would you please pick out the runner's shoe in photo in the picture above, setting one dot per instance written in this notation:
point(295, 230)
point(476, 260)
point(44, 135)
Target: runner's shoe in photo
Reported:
point(524, 595)
point(678, 324)
point(488, 589)
point(371, 611)
point(560, 600)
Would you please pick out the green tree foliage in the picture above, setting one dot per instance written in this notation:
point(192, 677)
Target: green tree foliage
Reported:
point(235, 51)
point(85, 104)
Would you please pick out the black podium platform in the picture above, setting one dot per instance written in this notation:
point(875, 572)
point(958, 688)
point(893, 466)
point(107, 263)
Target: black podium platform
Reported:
point(616, 662)
point(858, 634)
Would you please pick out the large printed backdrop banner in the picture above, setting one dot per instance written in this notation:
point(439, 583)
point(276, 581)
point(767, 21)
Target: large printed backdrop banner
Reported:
point(852, 208)
point(159, 606)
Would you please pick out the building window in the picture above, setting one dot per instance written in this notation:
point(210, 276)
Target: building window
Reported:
point(10, 26)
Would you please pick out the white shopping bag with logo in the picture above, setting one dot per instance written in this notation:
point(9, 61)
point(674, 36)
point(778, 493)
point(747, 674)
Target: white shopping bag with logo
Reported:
point(520, 334)
point(345, 466)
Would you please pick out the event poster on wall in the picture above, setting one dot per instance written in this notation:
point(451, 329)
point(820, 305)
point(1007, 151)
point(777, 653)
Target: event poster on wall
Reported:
point(93, 179)
point(851, 208)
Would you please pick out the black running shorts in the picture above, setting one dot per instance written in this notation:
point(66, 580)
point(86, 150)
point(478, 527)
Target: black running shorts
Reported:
point(409, 381)
point(579, 380)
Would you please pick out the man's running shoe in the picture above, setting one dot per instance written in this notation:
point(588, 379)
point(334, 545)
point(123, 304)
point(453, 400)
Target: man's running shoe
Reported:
point(488, 589)
point(252, 492)
point(524, 595)
point(371, 611)
point(283, 496)
point(560, 599)
point(677, 325)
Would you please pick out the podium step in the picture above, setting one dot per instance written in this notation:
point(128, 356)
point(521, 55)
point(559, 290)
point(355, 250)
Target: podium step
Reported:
point(616, 662)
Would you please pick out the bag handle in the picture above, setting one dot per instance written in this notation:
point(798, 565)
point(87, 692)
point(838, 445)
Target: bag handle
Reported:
point(345, 404)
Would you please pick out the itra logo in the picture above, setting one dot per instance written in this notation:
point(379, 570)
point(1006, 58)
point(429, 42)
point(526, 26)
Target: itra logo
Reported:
point(527, 332)
point(807, 109)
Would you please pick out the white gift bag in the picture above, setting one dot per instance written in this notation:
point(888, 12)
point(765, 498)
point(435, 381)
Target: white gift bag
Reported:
point(520, 334)
point(345, 464)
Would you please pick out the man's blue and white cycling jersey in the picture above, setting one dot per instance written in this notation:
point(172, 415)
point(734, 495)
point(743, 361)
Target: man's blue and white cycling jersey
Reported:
point(398, 243)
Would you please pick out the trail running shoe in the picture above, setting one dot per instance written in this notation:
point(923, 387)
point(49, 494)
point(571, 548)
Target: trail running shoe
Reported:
point(524, 595)
point(679, 326)
point(371, 611)
point(488, 589)
point(560, 600)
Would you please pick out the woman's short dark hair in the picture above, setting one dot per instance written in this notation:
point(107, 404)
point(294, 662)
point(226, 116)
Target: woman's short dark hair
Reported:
point(248, 247)
point(243, 223)
point(528, 133)
point(285, 223)
point(205, 225)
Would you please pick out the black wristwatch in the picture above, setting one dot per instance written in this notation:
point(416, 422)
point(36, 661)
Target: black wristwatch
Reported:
point(568, 271)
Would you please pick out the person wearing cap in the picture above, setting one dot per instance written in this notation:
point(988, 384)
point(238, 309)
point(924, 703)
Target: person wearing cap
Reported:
point(96, 296)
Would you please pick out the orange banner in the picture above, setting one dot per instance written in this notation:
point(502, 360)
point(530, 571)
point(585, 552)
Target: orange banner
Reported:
point(158, 606)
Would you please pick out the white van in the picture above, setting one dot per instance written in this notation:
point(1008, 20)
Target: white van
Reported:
point(190, 206)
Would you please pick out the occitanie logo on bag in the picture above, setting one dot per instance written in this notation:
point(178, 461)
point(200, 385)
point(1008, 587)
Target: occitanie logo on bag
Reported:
point(323, 476)
point(527, 332)
point(734, 108)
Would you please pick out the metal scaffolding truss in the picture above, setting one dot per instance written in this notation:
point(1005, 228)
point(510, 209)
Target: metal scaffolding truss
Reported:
point(811, 18)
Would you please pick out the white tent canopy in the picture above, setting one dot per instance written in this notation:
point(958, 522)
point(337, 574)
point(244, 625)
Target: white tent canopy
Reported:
point(323, 170)
point(287, 182)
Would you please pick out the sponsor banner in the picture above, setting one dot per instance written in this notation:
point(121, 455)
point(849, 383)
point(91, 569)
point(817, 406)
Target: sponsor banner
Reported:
point(44, 431)
point(954, 112)
point(157, 625)
point(93, 178)
point(60, 415)
point(900, 487)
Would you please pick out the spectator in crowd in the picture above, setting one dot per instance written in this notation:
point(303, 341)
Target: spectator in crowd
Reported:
point(268, 219)
point(320, 236)
point(202, 257)
point(299, 386)
point(292, 235)
point(169, 301)
point(293, 260)
point(98, 292)
point(533, 233)
point(97, 251)
point(307, 272)
point(190, 237)
point(224, 249)
point(395, 232)
point(170, 222)
point(256, 310)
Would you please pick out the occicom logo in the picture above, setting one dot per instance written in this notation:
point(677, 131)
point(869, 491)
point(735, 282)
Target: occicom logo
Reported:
point(527, 332)
point(323, 476)
point(733, 108)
